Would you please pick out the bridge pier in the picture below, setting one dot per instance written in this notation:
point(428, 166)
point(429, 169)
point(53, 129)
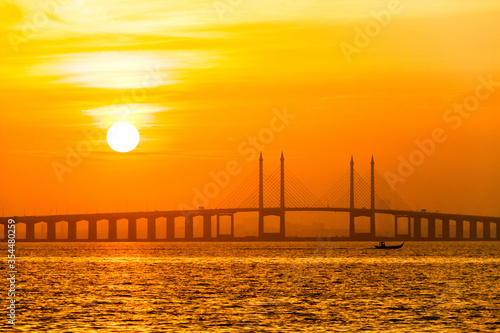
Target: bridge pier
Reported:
point(352, 225)
point(261, 225)
point(473, 230)
point(282, 224)
point(395, 226)
point(372, 226)
point(112, 230)
point(431, 228)
point(170, 228)
point(218, 226)
point(417, 227)
point(51, 231)
point(445, 229)
point(188, 223)
point(30, 231)
point(409, 226)
point(92, 228)
point(5, 223)
point(207, 226)
point(459, 229)
point(132, 229)
point(151, 229)
point(486, 230)
point(71, 231)
point(232, 225)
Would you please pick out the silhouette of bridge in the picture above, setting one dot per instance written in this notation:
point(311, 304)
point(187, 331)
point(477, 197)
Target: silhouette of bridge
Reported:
point(274, 194)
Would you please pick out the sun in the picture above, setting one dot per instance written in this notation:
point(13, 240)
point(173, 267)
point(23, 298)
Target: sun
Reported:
point(123, 137)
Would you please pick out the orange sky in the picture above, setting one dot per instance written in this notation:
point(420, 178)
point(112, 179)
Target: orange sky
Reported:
point(198, 77)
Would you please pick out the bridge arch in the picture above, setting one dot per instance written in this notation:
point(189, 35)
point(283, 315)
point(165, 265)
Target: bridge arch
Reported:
point(180, 227)
point(61, 229)
point(198, 226)
point(121, 228)
point(41, 230)
point(480, 229)
point(102, 227)
point(225, 225)
point(384, 225)
point(161, 227)
point(82, 231)
point(466, 229)
point(453, 228)
point(362, 225)
point(494, 230)
point(438, 228)
point(142, 228)
point(20, 230)
point(271, 224)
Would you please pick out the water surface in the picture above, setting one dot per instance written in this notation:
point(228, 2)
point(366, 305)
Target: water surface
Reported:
point(263, 287)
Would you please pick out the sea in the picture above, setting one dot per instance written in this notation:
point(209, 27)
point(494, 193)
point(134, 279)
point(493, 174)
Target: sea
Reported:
point(319, 286)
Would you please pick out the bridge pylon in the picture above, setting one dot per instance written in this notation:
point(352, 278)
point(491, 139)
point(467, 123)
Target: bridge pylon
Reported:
point(279, 211)
point(353, 213)
point(372, 199)
point(261, 197)
point(352, 228)
point(282, 199)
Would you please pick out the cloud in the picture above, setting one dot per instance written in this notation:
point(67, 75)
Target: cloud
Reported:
point(10, 15)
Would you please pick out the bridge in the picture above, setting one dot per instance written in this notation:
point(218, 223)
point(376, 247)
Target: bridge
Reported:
point(274, 194)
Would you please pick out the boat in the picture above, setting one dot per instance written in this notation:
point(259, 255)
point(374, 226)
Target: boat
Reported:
point(382, 245)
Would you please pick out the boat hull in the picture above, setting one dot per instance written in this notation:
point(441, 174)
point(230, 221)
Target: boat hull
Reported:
point(389, 247)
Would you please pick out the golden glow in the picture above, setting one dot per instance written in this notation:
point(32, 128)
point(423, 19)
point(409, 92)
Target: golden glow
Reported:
point(111, 70)
point(198, 77)
point(142, 115)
